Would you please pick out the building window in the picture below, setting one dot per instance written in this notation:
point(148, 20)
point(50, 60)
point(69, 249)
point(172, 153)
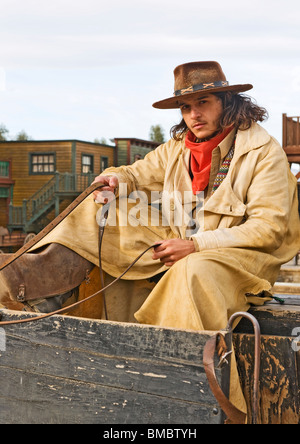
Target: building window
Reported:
point(103, 163)
point(87, 164)
point(4, 192)
point(4, 169)
point(42, 163)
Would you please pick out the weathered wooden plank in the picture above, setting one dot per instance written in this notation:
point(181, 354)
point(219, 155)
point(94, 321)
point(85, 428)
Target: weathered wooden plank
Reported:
point(187, 382)
point(46, 399)
point(279, 377)
point(112, 338)
point(274, 319)
point(65, 369)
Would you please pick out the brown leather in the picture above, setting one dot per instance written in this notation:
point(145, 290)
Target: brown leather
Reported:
point(76, 304)
point(56, 270)
point(51, 226)
point(234, 415)
point(51, 271)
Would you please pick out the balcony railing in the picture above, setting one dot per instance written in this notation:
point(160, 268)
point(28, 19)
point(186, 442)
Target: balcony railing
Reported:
point(62, 185)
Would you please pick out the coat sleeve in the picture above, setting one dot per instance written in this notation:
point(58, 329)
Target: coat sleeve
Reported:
point(146, 174)
point(268, 205)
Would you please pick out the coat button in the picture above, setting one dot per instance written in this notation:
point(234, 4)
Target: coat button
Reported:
point(172, 205)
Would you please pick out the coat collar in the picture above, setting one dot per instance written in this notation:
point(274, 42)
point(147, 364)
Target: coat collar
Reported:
point(251, 139)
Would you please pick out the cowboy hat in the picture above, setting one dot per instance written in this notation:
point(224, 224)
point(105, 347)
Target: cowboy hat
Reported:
point(198, 77)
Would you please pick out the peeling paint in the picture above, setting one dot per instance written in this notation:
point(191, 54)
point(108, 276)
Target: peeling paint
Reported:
point(153, 375)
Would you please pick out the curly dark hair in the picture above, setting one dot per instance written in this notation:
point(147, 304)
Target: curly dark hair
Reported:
point(238, 110)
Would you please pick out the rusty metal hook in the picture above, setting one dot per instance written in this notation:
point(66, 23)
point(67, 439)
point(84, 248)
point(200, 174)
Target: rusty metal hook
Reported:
point(257, 336)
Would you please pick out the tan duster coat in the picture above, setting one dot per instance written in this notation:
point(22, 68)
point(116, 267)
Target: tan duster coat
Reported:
point(255, 208)
point(250, 227)
point(251, 220)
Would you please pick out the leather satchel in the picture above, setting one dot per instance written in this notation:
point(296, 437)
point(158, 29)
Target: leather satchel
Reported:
point(51, 271)
point(46, 278)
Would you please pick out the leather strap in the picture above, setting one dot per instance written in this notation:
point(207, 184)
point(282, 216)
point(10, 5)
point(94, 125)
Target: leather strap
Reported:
point(234, 415)
point(62, 310)
point(52, 224)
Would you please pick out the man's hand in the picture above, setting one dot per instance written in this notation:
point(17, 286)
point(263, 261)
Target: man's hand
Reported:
point(107, 193)
point(171, 250)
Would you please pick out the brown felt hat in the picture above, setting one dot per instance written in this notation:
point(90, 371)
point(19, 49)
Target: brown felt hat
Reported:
point(198, 77)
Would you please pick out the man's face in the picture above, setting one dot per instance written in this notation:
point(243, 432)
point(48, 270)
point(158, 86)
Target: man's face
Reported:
point(202, 114)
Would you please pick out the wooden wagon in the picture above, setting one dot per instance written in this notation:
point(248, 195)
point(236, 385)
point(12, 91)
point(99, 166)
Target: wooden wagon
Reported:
point(65, 369)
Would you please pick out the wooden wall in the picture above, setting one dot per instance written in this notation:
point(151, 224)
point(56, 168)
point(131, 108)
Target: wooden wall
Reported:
point(68, 155)
point(291, 137)
point(3, 212)
point(97, 151)
point(129, 148)
point(122, 146)
point(27, 184)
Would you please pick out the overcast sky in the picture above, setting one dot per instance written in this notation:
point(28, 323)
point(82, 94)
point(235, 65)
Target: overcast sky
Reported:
point(86, 69)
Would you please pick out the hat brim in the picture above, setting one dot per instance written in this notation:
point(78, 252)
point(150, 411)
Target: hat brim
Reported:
point(174, 101)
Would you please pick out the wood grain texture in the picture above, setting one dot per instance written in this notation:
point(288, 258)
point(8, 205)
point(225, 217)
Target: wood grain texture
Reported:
point(279, 377)
point(70, 370)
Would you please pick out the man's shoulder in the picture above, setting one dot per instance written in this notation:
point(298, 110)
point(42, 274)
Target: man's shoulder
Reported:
point(256, 137)
point(172, 145)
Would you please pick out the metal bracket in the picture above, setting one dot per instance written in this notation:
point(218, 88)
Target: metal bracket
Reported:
point(21, 294)
point(257, 338)
point(223, 359)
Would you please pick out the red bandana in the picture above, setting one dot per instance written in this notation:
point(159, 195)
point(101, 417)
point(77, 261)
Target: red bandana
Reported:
point(201, 154)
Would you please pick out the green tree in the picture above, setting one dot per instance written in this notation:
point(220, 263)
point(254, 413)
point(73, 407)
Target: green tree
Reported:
point(3, 132)
point(102, 141)
point(157, 134)
point(22, 135)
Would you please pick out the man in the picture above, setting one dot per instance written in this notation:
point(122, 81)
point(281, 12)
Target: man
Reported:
point(230, 183)
point(249, 222)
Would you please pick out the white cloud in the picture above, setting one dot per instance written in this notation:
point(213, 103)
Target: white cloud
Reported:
point(80, 50)
point(93, 68)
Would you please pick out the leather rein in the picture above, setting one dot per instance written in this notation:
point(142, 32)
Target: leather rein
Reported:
point(46, 231)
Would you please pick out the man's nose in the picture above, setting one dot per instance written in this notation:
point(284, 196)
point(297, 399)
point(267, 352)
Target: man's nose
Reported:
point(195, 112)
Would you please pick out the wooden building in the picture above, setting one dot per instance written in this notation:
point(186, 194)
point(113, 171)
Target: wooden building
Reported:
point(291, 137)
point(39, 178)
point(291, 142)
point(129, 149)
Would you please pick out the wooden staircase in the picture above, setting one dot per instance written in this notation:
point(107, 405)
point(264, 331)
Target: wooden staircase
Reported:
point(32, 215)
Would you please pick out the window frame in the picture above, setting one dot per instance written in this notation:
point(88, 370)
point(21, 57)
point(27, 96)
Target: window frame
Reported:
point(7, 167)
point(7, 188)
point(42, 173)
point(105, 158)
point(91, 156)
